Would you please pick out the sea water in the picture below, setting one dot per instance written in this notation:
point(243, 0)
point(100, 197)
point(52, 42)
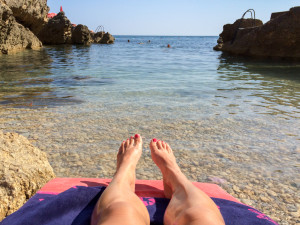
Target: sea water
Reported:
point(226, 117)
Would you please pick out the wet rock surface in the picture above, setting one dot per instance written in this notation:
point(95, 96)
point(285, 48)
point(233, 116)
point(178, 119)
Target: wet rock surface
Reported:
point(23, 170)
point(14, 37)
point(280, 37)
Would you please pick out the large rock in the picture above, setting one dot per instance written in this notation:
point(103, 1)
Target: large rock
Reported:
point(280, 37)
point(229, 30)
point(103, 38)
point(57, 31)
point(30, 13)
point(14, 37)
point(23, 170)
point(81, 35)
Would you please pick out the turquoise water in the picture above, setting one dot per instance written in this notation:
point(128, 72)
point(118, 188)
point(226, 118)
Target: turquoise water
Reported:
point(188, 73)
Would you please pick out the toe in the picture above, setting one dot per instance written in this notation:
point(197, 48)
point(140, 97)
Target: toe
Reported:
point(131, 140)
point(126, 144)
point(168, 148)
point(137, 139)
point(153, 145)
point(159, 144)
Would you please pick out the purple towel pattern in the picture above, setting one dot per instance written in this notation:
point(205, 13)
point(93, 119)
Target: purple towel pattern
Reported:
point(75, 206)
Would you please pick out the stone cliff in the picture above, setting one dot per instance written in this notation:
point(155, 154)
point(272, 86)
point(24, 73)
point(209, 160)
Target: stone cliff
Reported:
point(280, 37)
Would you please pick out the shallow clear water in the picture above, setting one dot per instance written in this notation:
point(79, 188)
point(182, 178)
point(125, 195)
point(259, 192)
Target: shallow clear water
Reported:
point(235, 118)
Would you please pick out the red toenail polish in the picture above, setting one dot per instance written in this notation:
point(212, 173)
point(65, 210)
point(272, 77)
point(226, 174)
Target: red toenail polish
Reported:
point(137, 136)
point(154, 140)
point(131, 137)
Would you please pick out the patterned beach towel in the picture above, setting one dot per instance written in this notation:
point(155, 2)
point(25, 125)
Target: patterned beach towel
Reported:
point(75, 206)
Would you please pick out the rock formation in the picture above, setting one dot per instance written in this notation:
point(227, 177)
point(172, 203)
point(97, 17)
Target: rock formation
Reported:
point(81, 35)
point(280, 37)
point(31, 14)
point(23, 170)
point(103, 38)
point(57, 31)
point(14, 36)
point(24, 24)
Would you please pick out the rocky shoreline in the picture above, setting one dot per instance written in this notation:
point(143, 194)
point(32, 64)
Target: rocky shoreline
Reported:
point(278, 38)
point(25, 25)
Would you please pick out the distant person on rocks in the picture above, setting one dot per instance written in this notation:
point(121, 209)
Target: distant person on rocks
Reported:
point(120, 205)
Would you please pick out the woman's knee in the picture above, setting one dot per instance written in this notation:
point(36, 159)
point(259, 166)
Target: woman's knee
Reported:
point(123, 213)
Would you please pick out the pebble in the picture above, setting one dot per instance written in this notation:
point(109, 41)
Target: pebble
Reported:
point(272, 193)
point(247, 202)
point(264, 199)
point(236, 188)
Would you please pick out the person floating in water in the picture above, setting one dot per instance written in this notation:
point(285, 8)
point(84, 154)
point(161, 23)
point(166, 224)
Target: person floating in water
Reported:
point(120, 205)
point(169, 46)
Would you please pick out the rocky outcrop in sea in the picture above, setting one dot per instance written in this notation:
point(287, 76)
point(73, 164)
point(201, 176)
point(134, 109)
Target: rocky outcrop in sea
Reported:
point(60, 30)
point(24, 169)
point(280, 37)
point(24, 25)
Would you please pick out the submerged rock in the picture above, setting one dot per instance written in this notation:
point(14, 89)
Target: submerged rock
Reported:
point(14, 37)
point(58, 30)
point(280, 37)
point(23, 170)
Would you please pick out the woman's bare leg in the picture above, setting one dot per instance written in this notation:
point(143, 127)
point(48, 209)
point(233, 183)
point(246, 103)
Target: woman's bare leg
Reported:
point(188, 204)
point(119, 204)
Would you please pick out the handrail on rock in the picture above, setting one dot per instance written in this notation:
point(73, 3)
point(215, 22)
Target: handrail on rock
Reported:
point(99, 29)
point(252, 12)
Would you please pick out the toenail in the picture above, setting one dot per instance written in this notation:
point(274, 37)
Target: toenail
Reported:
point(131, 137)
point(137, 136)
point(154, 140)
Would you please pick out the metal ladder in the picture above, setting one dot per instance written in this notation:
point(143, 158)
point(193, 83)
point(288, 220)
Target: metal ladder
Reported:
point(99, 29)
point(252, 11)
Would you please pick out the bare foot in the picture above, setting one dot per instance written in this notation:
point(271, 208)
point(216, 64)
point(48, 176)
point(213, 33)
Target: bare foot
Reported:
point(188, 204)
point(164, 158)
point(128, 156)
